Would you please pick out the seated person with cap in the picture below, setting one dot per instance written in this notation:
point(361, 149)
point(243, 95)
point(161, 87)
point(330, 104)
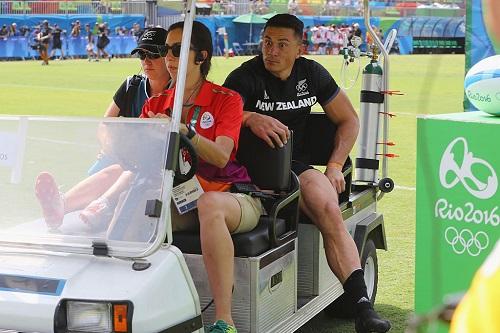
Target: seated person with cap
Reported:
point(96, 195)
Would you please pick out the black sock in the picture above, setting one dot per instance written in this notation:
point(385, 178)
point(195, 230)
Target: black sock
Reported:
point(355, 289)
point(367, 320)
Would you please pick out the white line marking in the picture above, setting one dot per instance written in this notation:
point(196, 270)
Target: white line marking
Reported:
point(63, 142)
point(407, 188)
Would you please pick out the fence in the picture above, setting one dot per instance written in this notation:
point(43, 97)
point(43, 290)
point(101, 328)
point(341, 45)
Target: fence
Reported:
point(20, 47)
point(72, 7)
point(396, 8)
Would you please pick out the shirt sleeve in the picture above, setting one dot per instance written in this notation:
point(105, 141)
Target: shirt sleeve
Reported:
point(119, 97)
point(327, 87)
point(155, 104)
point(239, 81)
point(229, 118)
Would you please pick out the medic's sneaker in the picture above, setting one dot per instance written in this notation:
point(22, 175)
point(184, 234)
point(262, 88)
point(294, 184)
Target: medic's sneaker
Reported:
point(221, 326)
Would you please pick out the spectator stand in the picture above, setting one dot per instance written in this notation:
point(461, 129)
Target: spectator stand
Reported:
point(69, 7)
point(19, 47)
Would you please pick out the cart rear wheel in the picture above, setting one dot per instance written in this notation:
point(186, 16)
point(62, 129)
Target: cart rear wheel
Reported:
point(341, 307)
point(369, 263)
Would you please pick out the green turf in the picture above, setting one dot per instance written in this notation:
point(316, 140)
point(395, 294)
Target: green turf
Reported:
point(431, 84)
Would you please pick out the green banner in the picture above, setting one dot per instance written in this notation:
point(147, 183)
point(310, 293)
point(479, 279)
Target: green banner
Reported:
point(458, 198)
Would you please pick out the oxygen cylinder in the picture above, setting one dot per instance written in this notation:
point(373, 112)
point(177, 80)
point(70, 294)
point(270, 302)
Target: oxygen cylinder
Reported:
point(372, 100)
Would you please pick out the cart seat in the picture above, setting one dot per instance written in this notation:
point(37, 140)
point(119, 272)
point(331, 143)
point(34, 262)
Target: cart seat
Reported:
point(269, 169)
point(319, 137)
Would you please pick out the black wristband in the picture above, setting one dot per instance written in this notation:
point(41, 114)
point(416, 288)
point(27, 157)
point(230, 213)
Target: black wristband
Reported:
point(191, 131)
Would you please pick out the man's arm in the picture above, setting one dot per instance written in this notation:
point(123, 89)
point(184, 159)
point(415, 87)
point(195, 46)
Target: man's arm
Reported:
point(342, 113)
point(267, 128)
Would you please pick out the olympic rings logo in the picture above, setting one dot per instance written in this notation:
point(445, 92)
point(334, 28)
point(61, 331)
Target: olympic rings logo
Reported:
point(466, 240)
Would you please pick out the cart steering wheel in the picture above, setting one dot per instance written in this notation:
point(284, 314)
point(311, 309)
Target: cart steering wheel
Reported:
point(188, 161)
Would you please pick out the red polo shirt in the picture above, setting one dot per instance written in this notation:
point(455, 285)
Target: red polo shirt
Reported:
point(221, 114)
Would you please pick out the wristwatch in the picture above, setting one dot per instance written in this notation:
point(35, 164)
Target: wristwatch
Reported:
point(191, 131)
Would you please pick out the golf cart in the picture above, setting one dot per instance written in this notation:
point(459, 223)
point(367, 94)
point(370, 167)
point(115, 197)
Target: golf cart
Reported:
point(132, 274)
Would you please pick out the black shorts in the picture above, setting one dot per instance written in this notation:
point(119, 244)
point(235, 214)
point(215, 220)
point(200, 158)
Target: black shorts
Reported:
point(298, 167)
point(56, 45)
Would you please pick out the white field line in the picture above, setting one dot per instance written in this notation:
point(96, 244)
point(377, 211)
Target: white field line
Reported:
point(406, 188)
point(62, 142)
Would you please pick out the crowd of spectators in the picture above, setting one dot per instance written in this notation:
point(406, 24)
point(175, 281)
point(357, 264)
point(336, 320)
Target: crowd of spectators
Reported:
point(44, 37)
point(330, 39)
point(14, 31)
point(76, 30)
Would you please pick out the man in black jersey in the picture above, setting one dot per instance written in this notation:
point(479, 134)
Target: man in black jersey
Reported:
point(279, 88)
point(57, 42)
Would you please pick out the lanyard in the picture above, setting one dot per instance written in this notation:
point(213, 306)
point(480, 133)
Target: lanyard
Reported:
point(196, 113)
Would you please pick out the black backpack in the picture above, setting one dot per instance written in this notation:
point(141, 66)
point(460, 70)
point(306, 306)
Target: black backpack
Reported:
point(133, 86)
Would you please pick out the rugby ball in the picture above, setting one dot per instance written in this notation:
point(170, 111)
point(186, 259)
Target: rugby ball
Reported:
point(482, 85)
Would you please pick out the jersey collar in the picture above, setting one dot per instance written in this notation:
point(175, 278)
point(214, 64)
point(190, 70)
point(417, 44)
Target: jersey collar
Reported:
point(204, 97)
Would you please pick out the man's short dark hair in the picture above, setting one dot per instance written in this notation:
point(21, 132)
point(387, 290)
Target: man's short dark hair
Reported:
point(286, 21)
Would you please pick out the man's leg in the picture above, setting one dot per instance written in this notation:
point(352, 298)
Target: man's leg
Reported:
point(91, 188)
point(55, 204)
point(320, 202)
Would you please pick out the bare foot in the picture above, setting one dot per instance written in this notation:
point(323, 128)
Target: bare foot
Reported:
point(50, 200)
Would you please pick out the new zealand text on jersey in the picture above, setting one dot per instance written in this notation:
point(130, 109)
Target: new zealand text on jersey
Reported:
point(281, 106)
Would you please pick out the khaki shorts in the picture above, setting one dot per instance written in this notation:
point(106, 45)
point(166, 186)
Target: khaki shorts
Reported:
point(251, 210)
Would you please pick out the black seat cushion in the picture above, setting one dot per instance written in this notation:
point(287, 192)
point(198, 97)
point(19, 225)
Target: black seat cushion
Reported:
point(269, 168)
point(247, 244)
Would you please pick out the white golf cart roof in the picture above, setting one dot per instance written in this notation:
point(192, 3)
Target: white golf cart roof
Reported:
point(67, 148)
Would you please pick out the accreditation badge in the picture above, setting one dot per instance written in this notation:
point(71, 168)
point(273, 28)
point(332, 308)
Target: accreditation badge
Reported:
point(185, 195)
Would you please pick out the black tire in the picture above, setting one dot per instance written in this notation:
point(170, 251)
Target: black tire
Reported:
point(342, 307)
point(386, 185)
point(369, 263)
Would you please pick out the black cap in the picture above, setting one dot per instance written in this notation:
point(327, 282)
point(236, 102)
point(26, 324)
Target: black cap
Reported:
point(152, 40)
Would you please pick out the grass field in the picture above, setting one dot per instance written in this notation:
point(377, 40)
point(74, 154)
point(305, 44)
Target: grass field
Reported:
point(431, 84)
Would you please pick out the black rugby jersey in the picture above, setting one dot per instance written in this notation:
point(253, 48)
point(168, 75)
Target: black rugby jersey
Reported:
point(289, 100)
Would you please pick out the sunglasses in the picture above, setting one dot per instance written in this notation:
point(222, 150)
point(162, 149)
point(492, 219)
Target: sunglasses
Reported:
point(151, 56)
point(176, 49)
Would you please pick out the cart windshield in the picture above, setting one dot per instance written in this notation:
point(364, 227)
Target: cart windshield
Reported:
point(83, 185)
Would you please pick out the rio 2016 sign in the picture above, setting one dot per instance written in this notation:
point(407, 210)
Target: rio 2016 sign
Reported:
point(453, 173)
point(458, 197)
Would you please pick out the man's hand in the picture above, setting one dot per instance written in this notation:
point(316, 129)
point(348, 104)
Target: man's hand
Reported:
point(268, 129)
point(336, 178)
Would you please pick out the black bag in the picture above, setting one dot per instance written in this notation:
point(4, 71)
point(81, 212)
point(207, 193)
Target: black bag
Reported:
point(133, 86)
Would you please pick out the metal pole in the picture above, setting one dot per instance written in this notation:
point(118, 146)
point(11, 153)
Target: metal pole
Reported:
point(385, 87)
point(176, 118)
point(183, 61)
